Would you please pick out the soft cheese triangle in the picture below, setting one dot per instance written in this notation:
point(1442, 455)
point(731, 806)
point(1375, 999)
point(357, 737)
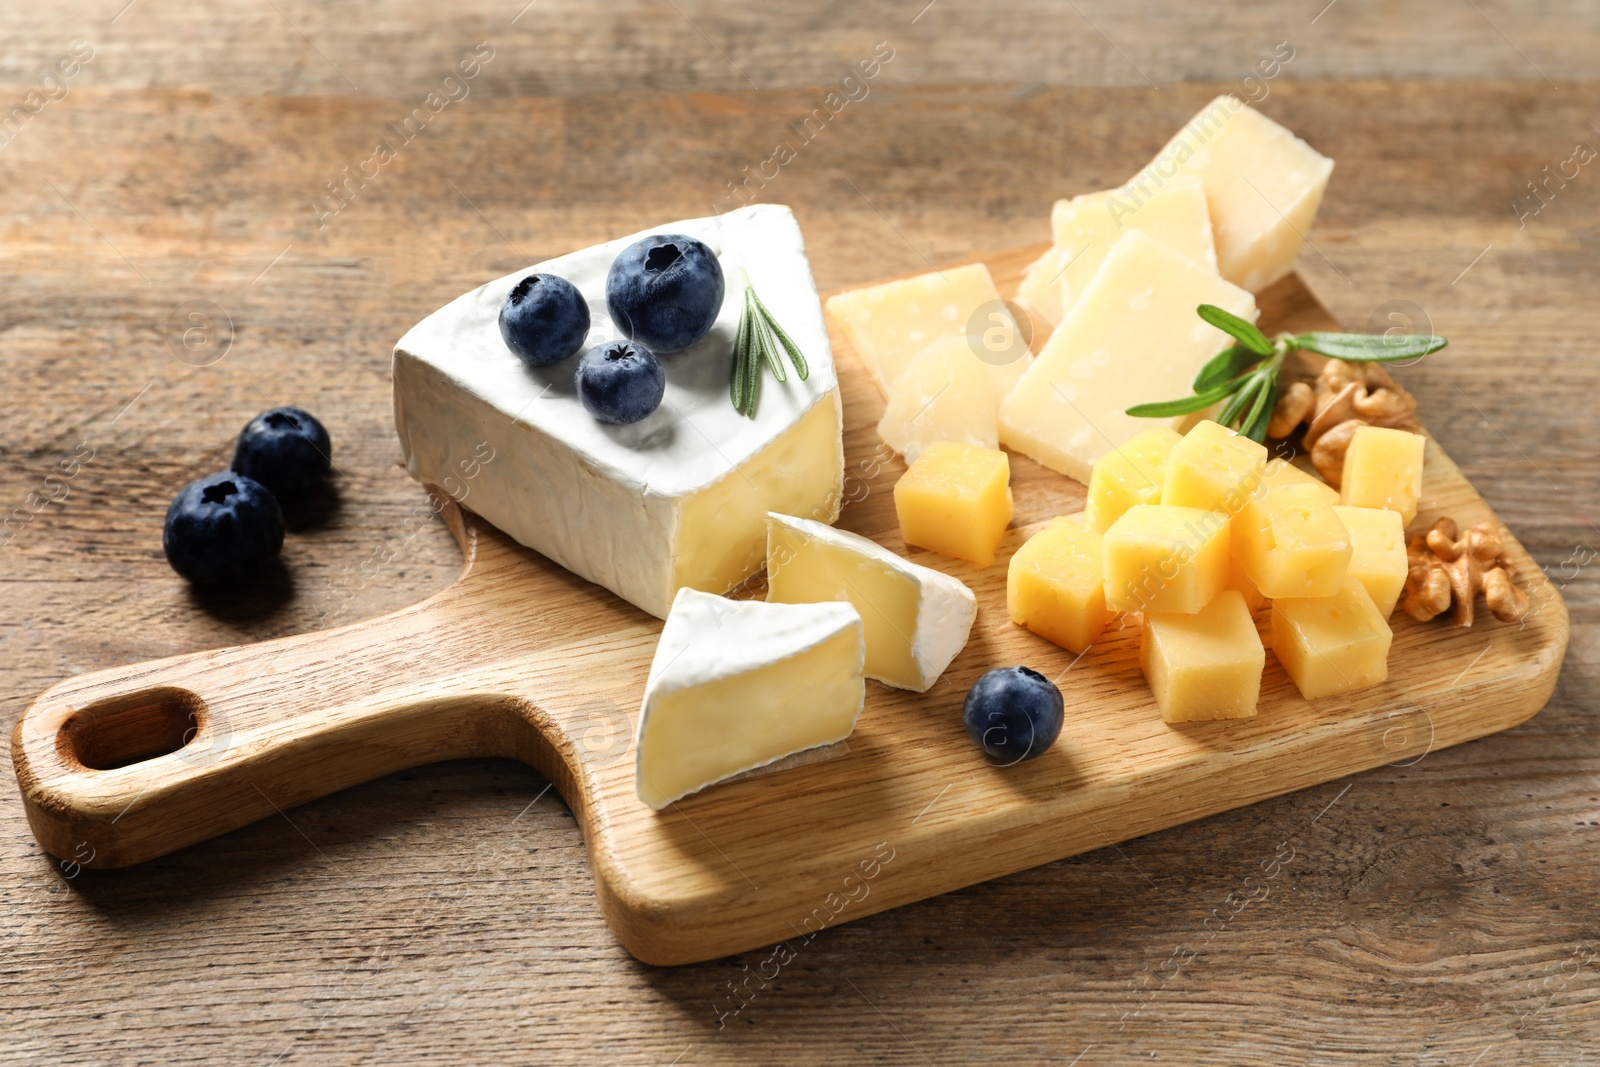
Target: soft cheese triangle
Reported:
point(679, 499)
point(916, 619)
point(737, 684)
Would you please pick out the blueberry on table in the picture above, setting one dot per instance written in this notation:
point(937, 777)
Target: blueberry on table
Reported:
point(1013, 714)
point(620, 382)
point(665, 291)
point(544, 319)
point(285, 449)
point(222, 529)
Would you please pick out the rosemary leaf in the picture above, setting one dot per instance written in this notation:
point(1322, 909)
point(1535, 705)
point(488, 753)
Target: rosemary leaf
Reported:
point(1229, 363)
point(1233, 325)
point(1188, 405)
point(1371, 347)
point(1255, 423)
point(1241, 401)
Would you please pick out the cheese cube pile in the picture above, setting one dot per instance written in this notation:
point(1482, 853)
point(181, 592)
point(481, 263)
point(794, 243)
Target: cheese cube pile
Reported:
point(1199, 532)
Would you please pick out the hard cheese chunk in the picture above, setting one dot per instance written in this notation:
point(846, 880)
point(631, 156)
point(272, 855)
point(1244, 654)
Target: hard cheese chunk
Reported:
point(1291, 544)
point(1086, 227)
point(916, 619)
point(1280, 473)
point(888, 324)
point(956, 499)
point(1383, 469)
point(737, 684)
point(1263, 185)
point(1377, 553)
point(1331, 644)
point(1129, 475)
point(1165, 559)
point(1055, 585)
point(678, 499)
point(1132, 337)
point(1206, 665)
point(1215, 468)
point(942, 395)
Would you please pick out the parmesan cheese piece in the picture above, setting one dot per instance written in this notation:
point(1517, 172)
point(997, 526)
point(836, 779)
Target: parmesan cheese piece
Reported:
point(1263, 185)
point(1132, 337)
point(1086, 227)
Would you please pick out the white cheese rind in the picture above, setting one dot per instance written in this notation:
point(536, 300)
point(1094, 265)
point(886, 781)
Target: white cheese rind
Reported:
point(944, 607)
point(608, 502)
point(739, 684)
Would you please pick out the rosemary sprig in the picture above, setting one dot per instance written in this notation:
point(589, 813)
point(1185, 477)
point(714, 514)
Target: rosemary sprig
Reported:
point(1246, 372)
point(760, 340)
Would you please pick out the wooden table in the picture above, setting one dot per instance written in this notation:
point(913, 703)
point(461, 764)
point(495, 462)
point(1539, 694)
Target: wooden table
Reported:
point(1430, 914)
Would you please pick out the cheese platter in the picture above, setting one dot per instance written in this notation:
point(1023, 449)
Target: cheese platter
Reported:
point(794, 747)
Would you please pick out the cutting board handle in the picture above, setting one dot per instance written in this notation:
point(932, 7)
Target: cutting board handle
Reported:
point(126, 764)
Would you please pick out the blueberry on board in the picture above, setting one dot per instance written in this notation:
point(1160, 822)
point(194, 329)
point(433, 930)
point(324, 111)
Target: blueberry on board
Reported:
point(285, 449)
point(544, 319)
point(1013, 714)
point(665, 291)
point(222, 529)
point(620, 382)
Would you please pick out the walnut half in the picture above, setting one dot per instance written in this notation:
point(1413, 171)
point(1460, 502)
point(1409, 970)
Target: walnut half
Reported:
point(1347, 396)
point(1444, 571)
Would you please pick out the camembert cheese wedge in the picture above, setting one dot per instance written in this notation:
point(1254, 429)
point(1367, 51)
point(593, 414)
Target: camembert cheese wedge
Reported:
point(677, 499)
point(916, 619)
point(737, 684)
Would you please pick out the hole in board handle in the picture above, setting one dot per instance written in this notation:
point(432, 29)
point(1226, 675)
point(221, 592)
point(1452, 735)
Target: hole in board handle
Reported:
point(121, 730)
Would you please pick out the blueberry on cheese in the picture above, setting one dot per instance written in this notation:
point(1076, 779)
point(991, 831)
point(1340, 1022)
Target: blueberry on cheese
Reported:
point(222, 529)
point(285, 449)
point(544, 319)
point(620, 382)
point(678, 499)
point(1013, 714)
point(665, 291)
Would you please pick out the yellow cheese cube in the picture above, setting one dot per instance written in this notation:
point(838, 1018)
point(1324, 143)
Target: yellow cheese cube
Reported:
point(942, 395)
point(1127, 476)
point(1214, 468)
point(1291, 544)
point(1240, 581)
point(1281, 472)
point(1086, 227)
point(888, 324)
point(1377, 553)
point(1055, 585)
point(1331, 644)
point(1206, 665)
point(1165, 559)
point(956, 499)
point(1263, 185)
point(1383, 469)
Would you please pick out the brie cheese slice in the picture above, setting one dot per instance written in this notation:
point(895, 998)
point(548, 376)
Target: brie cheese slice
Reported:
point(916, 619)
point(678, 499)
point(738, 684)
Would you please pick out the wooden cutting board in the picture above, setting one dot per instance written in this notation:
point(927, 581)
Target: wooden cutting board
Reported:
point(521, 659)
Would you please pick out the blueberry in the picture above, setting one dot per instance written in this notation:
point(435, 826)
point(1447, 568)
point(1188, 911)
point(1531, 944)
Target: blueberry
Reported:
point(665, 291)
point(222, 529)
point(285, 449)
point(1013, 713)
point(544, 319)
point(620, 382)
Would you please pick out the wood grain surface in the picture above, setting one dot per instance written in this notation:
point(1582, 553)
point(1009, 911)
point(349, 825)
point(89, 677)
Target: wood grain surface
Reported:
point(1437, 913)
